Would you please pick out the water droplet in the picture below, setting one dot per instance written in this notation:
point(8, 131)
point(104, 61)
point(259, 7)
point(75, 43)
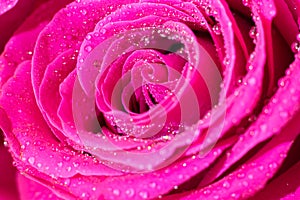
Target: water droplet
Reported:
point(216, 29)
point(88, 48)
point(250, 176)
point(253, 33)
point(298, 37)
point(67, 182)
point(59, 164)
point(226, 61)
point(240, 175)
point(206, 192)
point(83, 11)
point(103, 31)
point(208, 10)
point(263, 127)
point(129, 192)
point(252, 81)
point(75, 164)
point(245, 183)
point(283, 114)
point(245, 2)
point(296, 47)
point(143, 194)
point(226, 184)
point(31, 160)
point(5, 143)
point(152, 185)
point(116, 192)
point(250, 67)
point(180, 176)
point(88, 37)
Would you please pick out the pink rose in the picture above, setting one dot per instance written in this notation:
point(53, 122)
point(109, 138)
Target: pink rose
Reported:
point(154, 99)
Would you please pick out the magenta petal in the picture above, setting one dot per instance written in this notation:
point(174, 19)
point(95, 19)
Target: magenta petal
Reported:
point(6, 5)
point(55, 74)
point(20, 47)
point(274, 117)
point(65, 111)
point(32, 190)
point(8, 187)
point(254, 174)
point(151, 185)
point(67, 30)
point(29, 127)
point(284, 16)
point(286, 186)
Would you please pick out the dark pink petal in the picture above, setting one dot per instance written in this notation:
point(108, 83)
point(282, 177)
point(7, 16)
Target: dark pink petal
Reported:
point(8, 187)
point(294, 6)
point(12, 18)
point(6, 5)
point(20, 47)
point(284, 16)
point(274, 117)
point(66, 31)
point(245, 97)
point(30, 189)
point(139, 186)
point(254, 174)
point(133, 186)
point(134, 19)
point(38, 144)
point(151, 185)
point(286, 186)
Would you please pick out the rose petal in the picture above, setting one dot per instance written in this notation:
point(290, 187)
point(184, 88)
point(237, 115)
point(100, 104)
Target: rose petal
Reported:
point(55, 74)
point(20, 46)
point(280, 109)
point(66, 31)
point(30, 129)
point(7, 5)
point(254, 174)
point(286, 186)
point(8, 189)
point(32, 190)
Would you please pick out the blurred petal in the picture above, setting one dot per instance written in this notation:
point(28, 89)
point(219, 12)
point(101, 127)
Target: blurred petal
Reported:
point(8, 188)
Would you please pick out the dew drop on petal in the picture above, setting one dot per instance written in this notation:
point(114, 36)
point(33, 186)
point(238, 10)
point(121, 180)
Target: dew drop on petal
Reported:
point(216, 29)
point(5, 143)
point(31, 160)
point(152, 185)
point(83, 11)
point(143, 194)
point(129, 192)
point(252, 81)
point(245, 2)
point(88, 48)
point(296, 47)
point(116, 192)
point(67, 182)
point(250, 176)
point(226, 184)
